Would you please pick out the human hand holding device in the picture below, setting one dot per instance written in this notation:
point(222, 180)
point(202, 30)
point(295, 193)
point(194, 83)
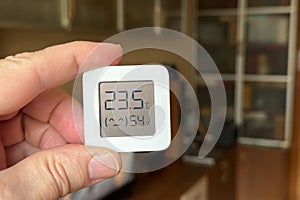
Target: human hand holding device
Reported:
point(41, 156)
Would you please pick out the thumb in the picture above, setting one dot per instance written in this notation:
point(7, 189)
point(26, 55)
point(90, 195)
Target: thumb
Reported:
point(57, 172)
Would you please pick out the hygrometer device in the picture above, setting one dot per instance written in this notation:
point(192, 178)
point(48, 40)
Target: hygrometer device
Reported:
point(127, 108)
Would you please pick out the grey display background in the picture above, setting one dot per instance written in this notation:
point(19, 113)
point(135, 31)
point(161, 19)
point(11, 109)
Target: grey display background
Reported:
point(122, 124)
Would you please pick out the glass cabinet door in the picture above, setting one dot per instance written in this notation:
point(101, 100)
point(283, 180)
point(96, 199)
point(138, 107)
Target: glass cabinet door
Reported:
point(267, 44)
point(217, 34)
point(264, 110)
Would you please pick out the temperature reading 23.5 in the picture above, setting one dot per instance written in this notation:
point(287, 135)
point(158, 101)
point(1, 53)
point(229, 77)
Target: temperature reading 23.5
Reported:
point(125, 108)
point(122, 99)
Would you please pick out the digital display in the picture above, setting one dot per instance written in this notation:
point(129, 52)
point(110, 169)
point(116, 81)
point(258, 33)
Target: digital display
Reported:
point(126, 108)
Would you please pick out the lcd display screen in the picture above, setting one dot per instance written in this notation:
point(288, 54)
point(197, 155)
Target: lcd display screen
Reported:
point(126, 108)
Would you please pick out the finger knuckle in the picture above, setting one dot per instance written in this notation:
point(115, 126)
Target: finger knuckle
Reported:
point(59, 165)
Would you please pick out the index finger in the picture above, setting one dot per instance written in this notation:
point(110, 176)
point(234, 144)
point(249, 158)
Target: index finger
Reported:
point(24, 76)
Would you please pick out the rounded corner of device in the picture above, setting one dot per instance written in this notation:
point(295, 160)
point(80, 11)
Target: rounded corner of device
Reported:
point(163, 67)
point(84, 74)
point(165, 146)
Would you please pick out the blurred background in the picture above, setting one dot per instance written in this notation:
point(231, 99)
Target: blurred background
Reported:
point(255, 45)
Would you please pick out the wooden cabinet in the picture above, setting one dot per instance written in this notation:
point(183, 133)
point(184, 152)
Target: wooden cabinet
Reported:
point(261, 173)
point(253, 44)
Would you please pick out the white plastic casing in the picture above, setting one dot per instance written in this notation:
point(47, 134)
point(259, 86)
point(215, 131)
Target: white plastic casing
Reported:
point(159, 75)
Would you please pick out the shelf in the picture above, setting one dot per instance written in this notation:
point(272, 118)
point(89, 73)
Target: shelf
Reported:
point(266, 78)
point(220, 46)
point(248, 11)
point(248, 77)
point(217, 12)
point(266, 46)
point(268, 10)
point(215, 78)
point(263, 142)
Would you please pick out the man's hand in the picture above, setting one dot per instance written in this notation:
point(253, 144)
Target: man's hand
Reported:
point(41, 155)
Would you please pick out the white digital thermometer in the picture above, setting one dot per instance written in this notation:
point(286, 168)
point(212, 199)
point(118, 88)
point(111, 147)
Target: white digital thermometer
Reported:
point(127, 108)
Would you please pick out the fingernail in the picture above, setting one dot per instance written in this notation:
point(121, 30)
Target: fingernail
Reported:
point(103, 165)
point(104, 54)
